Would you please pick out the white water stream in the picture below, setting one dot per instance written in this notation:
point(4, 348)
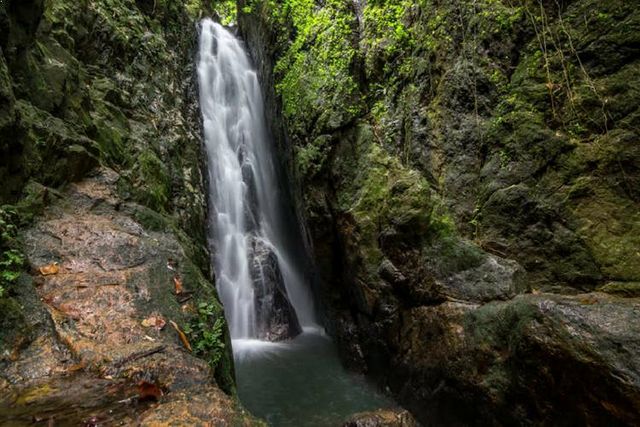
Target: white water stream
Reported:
point(245, 193)
point(293, 383)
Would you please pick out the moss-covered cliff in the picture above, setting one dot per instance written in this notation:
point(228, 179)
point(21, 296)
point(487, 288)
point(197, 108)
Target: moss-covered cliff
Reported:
point(103, 210)
point(460, 166)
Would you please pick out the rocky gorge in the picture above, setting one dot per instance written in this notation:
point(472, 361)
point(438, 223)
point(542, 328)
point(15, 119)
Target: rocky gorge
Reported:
point(466, 176)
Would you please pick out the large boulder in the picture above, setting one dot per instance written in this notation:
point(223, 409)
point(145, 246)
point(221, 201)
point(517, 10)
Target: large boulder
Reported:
point(546, 359)
point(276, 317)
point(110, 327)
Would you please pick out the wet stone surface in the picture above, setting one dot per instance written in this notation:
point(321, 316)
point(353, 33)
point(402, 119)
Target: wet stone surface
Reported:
point(100, 276)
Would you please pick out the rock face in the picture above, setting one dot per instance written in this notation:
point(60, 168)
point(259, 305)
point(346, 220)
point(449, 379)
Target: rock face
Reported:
point(111, 343)
point(101, 163)
point(469, 181)
point(276, 317)
point(581, 351)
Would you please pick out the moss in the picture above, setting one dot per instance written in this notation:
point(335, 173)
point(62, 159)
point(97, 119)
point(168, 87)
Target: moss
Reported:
point(610, 226)
point(13, 325)
point(54, 151)
point(151, 220)
point(623, 289)
point(7, 99)
point(35, 197)
point(313, 75)
point(386, 192)
point(151, 181)
point(311, 158)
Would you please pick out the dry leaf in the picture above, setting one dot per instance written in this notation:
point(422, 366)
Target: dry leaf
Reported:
point(589, 300)
point(182, 336)
point(147, 390)
point(52, 268)
point(178, 285)
point(76, 367)
point(154, 322)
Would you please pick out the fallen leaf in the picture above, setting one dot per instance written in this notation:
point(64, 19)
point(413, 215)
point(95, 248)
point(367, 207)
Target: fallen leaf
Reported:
point(49, 269)
point(154, 322)
point(178, 285)
point(76, 367)
point(147, 390)
point(182, 336)
point(589, 300)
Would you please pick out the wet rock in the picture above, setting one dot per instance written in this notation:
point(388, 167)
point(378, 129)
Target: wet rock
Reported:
point(382, 418)
point(551, 357)
point(390, 273)
point(112, 274)
point(251, 202)
point(210, 407)
point(494, 279)
point(276, 316)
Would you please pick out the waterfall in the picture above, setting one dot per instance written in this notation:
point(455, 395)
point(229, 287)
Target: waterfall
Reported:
point(259, 282)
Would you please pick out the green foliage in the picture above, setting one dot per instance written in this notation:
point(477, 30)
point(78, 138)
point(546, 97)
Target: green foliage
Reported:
point(226, 10)
point(311, 157)
point(386, 34)
point(153, 181)
point(206, 333)
point(11, 259)
point(314, 74)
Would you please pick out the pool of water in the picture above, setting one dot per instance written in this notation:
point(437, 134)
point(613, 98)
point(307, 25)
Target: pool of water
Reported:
point(301, 383)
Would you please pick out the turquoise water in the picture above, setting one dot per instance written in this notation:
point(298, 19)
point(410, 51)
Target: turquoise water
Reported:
point(301, 383)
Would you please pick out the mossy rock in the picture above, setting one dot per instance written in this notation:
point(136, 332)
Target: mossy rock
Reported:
point(623, 289)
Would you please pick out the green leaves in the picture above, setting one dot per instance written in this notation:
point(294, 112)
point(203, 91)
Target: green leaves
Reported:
point(11, 259)
point(314, 75)
point(206, 333)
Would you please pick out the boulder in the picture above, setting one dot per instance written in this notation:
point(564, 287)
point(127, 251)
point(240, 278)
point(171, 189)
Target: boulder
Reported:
point(100, 302)
point(547, 359)
point(276, 317)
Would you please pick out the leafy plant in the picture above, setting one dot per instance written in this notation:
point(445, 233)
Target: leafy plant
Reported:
point(11, 259)
point(206, 333)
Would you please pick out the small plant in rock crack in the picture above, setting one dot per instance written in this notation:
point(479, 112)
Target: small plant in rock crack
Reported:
point(206, 333)
point(11, 259)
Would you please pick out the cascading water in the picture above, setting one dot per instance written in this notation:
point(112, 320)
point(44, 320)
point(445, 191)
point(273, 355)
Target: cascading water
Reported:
point(297, 382)
point(247, 213)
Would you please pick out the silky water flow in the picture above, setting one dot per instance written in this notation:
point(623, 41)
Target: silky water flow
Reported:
point(287, 370)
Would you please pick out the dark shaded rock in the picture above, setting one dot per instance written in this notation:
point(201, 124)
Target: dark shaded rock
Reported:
point(390, 273)
point(251, 195)
point(550, 251)
point(276, 317)
point(494, 279)
point(562, 359)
